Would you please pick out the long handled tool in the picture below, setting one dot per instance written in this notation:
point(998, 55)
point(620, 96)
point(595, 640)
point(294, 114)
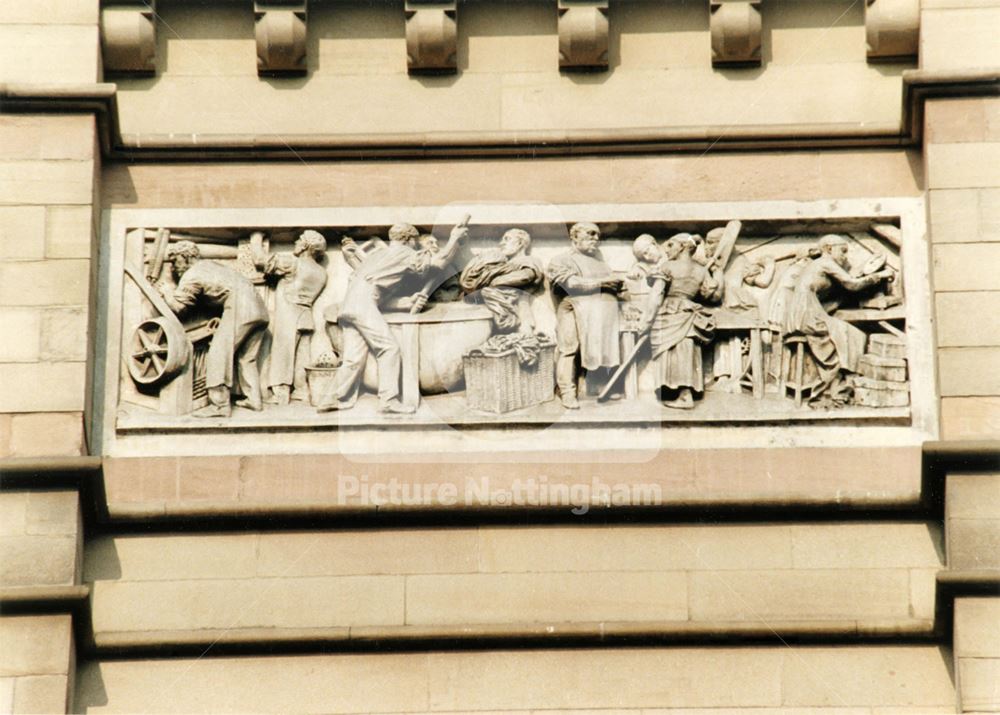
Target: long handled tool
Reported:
point(626, 363)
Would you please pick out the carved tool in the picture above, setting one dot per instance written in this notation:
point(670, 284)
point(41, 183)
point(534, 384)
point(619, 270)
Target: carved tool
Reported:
point(432, 282)
point(160, 245)
point(626, 363)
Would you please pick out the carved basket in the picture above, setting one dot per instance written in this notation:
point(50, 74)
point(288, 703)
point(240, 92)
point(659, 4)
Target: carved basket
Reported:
point(322, 381)
point(499, 383)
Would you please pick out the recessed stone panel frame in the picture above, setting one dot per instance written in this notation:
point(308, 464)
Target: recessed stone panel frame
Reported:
point(112, 435)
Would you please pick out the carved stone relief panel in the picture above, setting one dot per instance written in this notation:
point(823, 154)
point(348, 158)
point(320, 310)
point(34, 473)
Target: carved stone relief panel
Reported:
point(614, 317)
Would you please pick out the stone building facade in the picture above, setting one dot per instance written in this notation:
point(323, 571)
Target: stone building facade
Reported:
point(749, 553)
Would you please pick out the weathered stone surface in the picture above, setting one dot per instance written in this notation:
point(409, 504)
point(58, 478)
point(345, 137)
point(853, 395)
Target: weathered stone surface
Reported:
point(973, 543)
point(46, 182)
point(978, 678)
point(849, 546)
point(63, 387)
point(22, 330)
point(248, 603)
point(634, 548)
point(799, 595)
point(965, 266)
point(968, 319)
point(977, 628)
point(13, 513)
point(963, 166)
point(872, 676)
point(64, 335)
point(41, 694)
point(35, 645)
point(69, 232)
point(958, 37)
point(396, 551)
point(64, 282)
point(970, 417)
point(964, 215)
point(22, 232)
point(972, 119)
point(49, 53)
point(972, 496)
point(966, 372)
point(531, 598)
point(177, 557)
point(44, 12)
point(53, 512)
point(48, 136)
point(37, 560)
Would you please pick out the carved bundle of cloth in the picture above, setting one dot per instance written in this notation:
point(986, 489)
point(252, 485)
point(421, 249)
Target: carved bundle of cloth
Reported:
point(526, 347)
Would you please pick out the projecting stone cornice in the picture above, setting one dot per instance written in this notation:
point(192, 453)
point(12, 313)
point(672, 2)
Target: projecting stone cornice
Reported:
point(100, 100)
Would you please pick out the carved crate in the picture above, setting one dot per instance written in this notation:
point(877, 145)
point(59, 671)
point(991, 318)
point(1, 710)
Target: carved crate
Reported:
point(880, 393)
point(499, 383)
point(882, 368)
point(886, 345)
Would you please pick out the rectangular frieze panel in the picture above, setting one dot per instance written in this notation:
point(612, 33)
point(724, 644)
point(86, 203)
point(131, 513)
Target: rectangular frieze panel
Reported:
point(280, 29)
point(544, 322)
point(735, 26)
point(892, 28)
point(583, 35)
point(128, 37)
point(431, 37)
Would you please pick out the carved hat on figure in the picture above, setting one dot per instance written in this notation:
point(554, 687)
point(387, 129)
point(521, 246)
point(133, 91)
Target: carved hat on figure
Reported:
point(312, 242)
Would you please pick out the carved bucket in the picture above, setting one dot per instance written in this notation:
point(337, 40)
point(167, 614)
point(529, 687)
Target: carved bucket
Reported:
point(322, 381)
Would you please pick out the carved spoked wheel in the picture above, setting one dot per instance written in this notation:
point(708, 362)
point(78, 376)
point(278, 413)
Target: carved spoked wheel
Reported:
point(159, 351)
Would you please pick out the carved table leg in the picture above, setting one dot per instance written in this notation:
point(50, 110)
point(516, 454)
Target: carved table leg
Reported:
point(757, 363)
point(410, 350)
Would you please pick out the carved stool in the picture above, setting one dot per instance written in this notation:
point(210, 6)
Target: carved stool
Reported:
point(793, 352)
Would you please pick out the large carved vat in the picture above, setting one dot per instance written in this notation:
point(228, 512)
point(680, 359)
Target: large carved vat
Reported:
point(439, 337)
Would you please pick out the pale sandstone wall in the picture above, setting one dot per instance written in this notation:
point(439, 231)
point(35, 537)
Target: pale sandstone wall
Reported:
point(963, 181)
point(509, 77)
point(777, 679)
point(48, 170)
point(36, 664)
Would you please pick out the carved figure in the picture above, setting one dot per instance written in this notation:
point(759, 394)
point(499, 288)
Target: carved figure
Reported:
point(502, 278)
point(678, 326)
point(587, 321)
point(377, 274)
point(739, 274)
point(834, 345)
point(241, 325)
point(647, 254)
point(736, 279)
point(300, 281)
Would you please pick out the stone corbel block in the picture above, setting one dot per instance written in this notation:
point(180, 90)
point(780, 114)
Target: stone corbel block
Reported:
point(583, 35)
point(128, 37)
point(735, 26)
point(892, 28)
point(431, 37)
point(280, 29)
